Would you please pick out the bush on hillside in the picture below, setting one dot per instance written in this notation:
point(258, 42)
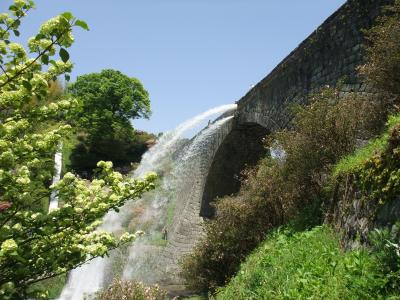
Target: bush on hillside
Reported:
point(324, 131)
point(382, 67)
point(130, 290)
point(367, 185)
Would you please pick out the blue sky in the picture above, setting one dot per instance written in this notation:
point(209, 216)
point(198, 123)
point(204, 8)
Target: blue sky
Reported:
point(191, 55)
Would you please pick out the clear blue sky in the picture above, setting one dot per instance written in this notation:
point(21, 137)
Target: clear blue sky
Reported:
point(191, 55)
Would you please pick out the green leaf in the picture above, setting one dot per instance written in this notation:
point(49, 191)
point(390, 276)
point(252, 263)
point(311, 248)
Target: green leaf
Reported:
point(42, 93)
point(13, 8)
point(16, 32)
point(64, 55)
point(67, 77)
point(67, 15)
point(39, 36)
point(45, 59)
point(82, 24)
point(27, 85)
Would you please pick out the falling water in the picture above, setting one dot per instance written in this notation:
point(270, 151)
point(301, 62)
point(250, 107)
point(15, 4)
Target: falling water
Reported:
point(146, 261)
point(154, 158)
point(56, 178)
point(149, 214)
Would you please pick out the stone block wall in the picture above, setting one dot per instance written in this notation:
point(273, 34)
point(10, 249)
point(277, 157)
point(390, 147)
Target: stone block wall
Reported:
point(331, 53)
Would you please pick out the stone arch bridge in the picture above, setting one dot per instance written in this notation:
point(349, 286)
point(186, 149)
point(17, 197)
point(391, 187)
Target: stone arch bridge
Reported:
point(330, 54)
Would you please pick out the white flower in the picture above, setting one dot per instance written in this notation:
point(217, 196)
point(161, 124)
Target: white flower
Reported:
point(9, 246)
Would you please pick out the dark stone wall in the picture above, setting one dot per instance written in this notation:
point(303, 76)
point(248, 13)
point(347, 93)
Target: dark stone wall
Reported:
point(354, 215)
point(241, 148)
point(331, 53)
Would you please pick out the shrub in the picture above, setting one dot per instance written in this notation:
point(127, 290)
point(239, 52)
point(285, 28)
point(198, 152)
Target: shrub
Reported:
point(129, 290)
point(367, 185)
point(323, 131)
point(35, 246)
point(382, 69)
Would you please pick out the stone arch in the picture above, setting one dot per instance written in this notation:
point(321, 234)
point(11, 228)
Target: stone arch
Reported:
point(242, 147)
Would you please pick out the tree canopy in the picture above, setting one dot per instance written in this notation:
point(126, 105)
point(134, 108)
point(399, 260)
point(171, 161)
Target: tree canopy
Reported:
point(107, 102)
point(109, 97)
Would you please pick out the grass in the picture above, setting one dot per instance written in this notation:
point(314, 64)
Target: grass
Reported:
point(356, 161)
point(305, 265)
point(353, 162)
point(156, 239)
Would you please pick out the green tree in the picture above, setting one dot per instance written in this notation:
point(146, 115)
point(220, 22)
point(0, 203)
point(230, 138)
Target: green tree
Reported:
point(106, 98)
point(36, 245)
point(107, 102)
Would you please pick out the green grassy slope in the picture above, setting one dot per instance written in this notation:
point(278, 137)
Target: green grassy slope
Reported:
point(306, 265)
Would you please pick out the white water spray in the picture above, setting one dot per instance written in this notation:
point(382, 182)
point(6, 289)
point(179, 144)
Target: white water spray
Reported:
point(91, 277)
point(56, 178)
point(153, 159)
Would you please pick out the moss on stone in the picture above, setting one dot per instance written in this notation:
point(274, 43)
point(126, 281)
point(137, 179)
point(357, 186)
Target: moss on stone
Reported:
point(367, 188)
point(375, 168)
